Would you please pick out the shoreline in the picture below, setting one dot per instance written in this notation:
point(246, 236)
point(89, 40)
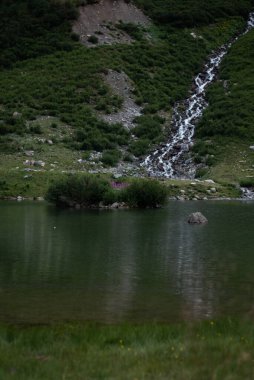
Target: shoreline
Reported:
point(170, 199)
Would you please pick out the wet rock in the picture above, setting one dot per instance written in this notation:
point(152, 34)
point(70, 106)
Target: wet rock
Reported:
point(29, 153)
point(252, 147)
point(39, 163)
point(115, 205)
point(16, 115)
point(19, 198)
point(34, 163)
point(197, 218)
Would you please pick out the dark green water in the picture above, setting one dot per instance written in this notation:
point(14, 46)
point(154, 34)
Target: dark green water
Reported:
point(116, 266)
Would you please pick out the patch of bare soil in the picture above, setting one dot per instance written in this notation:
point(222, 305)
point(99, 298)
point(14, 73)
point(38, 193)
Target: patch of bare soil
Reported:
point(121, 85)
point(100, 19)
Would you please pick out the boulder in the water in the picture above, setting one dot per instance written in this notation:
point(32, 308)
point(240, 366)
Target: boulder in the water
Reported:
point(197, 218)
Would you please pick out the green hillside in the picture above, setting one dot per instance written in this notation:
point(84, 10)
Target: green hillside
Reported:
point(53, 93)
point(193, 12)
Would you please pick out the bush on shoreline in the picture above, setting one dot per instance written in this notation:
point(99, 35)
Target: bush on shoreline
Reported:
point(89, 191)
point(145, 193)
point(83, 190)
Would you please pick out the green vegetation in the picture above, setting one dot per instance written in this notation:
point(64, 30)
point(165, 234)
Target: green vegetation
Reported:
point(84, 190)
point(46, 73)
point(69, 85)
point(247, 182)
point(145, 193)
point(90, 190)
point(231, 111)
point(227, 128)
point(208, 350)
point(31, 28)
point(111, 157)
point(194, 12)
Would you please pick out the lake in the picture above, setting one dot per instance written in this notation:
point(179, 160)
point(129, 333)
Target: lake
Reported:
point(126, 265)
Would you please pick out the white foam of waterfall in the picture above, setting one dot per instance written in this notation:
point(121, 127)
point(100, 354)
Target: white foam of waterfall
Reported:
point(167, 160)
point(247, 193)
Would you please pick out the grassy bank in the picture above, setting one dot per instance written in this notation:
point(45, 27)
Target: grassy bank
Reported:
point(207, 350)
point(36, 184)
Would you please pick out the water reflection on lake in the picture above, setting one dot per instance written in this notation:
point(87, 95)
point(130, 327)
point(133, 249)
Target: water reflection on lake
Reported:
point(115, 266)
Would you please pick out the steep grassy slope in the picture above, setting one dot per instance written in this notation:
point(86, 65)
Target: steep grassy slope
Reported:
point(52, 88)
point(193, 12)
point(228, 123)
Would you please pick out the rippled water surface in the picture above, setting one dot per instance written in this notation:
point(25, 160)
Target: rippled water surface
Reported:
point(116, 266)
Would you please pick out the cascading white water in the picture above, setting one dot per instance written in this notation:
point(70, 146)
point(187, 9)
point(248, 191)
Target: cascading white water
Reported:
point(248, 193)
point(167, 160)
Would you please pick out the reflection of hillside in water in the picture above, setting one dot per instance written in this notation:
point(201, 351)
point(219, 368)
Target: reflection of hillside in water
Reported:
point(121, 265)
point(193, 280)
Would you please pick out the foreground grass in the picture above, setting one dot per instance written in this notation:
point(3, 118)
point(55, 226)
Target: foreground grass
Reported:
point(207, 350)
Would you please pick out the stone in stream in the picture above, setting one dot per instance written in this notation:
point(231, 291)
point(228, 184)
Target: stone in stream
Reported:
point(197, 218)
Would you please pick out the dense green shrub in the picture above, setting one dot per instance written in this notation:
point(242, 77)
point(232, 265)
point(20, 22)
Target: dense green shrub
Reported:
point(182, 13)
point(111, 157)
point(89, 190)
point(145, 193)
point(149, 127)
point(85, 190)
point(31, 28)
point(139, 147)
point(133, 30)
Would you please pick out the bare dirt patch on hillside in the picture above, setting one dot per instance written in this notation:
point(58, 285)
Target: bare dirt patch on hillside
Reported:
point(122, 86)
point(100, 20)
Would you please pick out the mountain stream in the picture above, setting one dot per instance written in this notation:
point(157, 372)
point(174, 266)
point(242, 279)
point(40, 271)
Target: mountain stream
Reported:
point(169, 160)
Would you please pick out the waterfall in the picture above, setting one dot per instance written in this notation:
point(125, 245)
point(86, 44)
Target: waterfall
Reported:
point(248, 193)
point(168, 160)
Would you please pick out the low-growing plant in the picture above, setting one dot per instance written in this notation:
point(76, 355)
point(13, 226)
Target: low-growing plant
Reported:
point(111, 157)
point(201, 172)
point(139, 147)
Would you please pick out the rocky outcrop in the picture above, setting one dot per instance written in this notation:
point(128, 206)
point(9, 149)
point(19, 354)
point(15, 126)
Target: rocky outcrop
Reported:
point(197, 218)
